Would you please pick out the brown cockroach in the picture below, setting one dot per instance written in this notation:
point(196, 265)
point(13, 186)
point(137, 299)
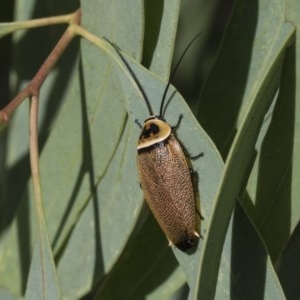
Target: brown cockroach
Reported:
point(165, 174)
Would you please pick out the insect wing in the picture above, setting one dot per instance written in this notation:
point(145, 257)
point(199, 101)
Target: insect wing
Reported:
point(167, 185)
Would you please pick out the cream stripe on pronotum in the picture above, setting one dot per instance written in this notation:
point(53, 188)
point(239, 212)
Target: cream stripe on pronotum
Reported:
point(164, 171)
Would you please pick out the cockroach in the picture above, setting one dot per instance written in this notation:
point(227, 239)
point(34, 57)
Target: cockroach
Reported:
point(164, 172)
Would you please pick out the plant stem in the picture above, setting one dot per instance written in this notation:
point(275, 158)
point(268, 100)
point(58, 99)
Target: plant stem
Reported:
point(34, 154)
point(33, 88)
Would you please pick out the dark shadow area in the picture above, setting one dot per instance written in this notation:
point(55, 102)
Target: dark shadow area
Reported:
point(153, 16)
point(271, 212)
point(25, 57)
point(274, 182)
point(89, 168)
point(29, 53)
point(217, 117)
point(145, 263)
point(6, 15)
point(199, 61)
point(287, 268)
point(279, 160)
point(248, 259)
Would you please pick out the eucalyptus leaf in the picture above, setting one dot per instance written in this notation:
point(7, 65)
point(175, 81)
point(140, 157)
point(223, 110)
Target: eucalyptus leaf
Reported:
point(190, 134)
point(161, 18)
point(6, 295)
point(42, 279)
point(18, 233)
point(260, 98)
point(106, 244)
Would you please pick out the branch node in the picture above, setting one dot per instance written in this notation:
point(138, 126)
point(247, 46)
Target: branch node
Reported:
point(4, 118)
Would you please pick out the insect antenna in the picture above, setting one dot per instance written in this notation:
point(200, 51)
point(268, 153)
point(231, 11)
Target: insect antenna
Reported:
point(161, 113)
point(133, 76)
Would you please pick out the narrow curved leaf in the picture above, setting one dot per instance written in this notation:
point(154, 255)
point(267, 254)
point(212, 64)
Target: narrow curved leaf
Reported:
point(236, 165)
point(209, 168)
point(42, 279)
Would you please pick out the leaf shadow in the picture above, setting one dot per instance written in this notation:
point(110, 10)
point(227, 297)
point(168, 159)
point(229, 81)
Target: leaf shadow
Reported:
point(87, 167)
point(28, 55)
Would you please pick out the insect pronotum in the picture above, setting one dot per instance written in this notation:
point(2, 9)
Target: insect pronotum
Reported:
point(164, 172)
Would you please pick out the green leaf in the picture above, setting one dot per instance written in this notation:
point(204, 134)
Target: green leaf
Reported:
point(75, 162)
point(105, 224)
point(148, 260)
point(118, 197)
point(6, 295)
point(190, 134)
point(271, 178)
point(161, 18)
point(250, 35)
point(290, 93)
point(256, 102)
point(93, 203)
point(42, 279)
point(18, 233)
point(117, 187)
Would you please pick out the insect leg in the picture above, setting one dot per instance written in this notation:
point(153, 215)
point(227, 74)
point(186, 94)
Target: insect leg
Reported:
point(189, 156)
point(178, 122)
point(195, 179)
point(136, 121)
point(195, 156)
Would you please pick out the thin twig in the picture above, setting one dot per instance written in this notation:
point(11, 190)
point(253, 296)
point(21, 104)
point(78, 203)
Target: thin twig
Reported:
point(34, 86)
point(8, 28)
point(34, 152)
